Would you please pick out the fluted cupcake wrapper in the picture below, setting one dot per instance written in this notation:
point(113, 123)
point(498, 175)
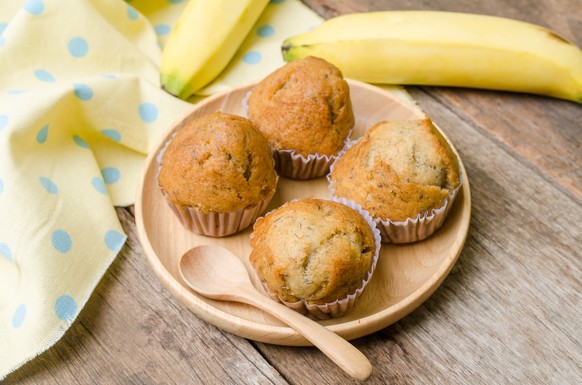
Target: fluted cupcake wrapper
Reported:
point(218, 224)
point(341, 306)
point(296, 166)
point(418, 228)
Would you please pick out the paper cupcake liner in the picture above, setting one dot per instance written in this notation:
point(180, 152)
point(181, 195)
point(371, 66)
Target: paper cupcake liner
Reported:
point(296, 166)
point(218, 224)
point(213, 224)
point(245, 104)
point(418, 228)
point(342, 306)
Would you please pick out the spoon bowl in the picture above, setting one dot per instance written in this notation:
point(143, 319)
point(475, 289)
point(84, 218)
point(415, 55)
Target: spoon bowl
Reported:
point(215, 272)
point(199, 268)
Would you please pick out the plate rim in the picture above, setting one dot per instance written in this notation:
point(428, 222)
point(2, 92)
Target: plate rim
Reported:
point(284, 335)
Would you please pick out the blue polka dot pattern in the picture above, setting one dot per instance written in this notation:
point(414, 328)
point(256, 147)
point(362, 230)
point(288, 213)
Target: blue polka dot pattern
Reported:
point(48, 185)
point(5, 251)
point(44, 76)
point(18, 317)
point(34, 7)
point(114, 240)
point(42, 134)
point(112, 134)
point(111, 175)
point(4, 119)
point(162, 29)
point(99, 185)
point(265, 31)
point(78, 47)
point(252, 57)
point(83, 91)
point(3, 27)
point(17, 91)
point(62, 241)
point(132, 12)
point(65, 307)
point(80, 141)
point(148, 112)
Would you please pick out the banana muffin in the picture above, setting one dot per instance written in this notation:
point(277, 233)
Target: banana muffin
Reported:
point(303, 107)
point(400, 170)
point(314, 251)
point(217, 173)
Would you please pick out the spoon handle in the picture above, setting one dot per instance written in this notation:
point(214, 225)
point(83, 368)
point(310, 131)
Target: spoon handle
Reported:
point(340, 351)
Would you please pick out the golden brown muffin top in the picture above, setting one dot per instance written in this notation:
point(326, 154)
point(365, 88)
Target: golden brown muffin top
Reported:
point(217, 162)
point(398, 170)
point(303, 106)
point(312, 249)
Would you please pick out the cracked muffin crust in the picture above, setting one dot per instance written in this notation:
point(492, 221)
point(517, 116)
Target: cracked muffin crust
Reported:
point(398, 170)
point(217, 163)
point(303, 106)
point(312, 249)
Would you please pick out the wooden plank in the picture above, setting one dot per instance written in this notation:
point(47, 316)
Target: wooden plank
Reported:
point(545, 133)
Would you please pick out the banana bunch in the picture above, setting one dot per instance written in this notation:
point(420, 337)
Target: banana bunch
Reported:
point(445, 49)
point(205, 38)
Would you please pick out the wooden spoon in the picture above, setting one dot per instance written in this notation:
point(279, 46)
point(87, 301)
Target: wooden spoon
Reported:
point(216, 273)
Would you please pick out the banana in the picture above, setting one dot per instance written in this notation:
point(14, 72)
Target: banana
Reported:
point(445, 49)
point(205, 38)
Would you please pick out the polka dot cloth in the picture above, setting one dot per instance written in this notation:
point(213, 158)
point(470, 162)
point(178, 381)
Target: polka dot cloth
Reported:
point(81, 107)
point(148, 112)
point(78, 47)
point(65, 307)
point(34, 7)
point(44, 76)
point(18, 317)
point(42, 134)
point(4, 119)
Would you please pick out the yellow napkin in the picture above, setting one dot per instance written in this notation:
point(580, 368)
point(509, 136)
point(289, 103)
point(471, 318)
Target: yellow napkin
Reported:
point(80, 106)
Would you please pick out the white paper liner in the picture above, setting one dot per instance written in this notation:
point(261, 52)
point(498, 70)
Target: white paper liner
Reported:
point(218, 224)
point(412, 229)
point(339, 307)
point(213, 224)
point(245, 104)
point(419, 228)
point(296, 166)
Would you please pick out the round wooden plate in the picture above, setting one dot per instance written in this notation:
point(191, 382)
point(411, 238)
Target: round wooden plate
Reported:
point(405, 276)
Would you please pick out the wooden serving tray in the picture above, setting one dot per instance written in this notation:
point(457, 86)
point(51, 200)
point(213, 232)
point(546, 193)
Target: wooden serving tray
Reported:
point(405, 276)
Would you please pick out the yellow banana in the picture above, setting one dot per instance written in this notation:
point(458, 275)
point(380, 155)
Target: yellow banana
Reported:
point(204, 40)
point(445, 49)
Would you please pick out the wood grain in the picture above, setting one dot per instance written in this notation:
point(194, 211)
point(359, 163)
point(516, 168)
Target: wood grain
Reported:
point(509, 312)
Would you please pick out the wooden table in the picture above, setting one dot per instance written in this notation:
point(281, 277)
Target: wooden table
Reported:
point(509, 312)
